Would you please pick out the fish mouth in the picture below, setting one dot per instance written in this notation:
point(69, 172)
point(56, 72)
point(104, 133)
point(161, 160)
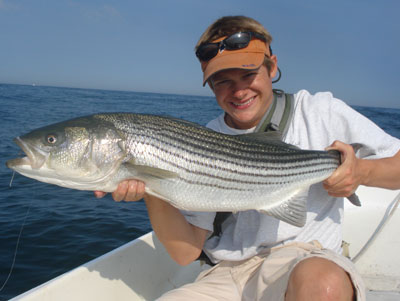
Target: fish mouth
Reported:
point(35, 158)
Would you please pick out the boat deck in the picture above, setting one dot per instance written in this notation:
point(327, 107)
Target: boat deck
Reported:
point(383, 296)
point(142, 269)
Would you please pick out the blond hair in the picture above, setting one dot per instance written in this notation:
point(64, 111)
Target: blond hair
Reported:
point(228, 25)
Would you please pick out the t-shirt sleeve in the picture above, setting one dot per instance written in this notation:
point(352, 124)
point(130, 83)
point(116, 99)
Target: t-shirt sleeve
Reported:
point(324, 119)
point(204, 220)
point(375, 142)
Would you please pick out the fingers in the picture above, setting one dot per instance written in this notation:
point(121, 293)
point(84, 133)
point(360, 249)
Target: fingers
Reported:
point(344, 181)
point(129, 190)
point(99, 194)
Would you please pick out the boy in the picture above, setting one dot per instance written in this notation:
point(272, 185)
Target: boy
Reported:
point(259, 257)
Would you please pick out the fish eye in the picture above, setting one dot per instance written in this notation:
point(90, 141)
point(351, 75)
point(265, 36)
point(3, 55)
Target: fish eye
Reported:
point(51, 139)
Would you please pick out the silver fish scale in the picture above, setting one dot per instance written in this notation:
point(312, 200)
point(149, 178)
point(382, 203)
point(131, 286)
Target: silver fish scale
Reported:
point(212, 162)
point(190, 166)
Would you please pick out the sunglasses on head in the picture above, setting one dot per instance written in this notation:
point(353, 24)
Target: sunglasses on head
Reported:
point(236, 41)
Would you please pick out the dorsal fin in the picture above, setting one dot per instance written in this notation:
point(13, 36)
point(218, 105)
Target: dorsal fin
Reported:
point(273, 138)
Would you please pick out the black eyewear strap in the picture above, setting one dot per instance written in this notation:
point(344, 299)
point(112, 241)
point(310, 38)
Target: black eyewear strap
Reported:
point(239, 40)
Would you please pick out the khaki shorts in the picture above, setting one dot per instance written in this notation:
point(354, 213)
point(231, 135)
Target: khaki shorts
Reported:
point(262, 277)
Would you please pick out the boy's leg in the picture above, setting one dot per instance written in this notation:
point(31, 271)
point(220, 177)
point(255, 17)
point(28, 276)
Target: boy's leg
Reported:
point(213, 284)
point(271, 280)
point(318, 278)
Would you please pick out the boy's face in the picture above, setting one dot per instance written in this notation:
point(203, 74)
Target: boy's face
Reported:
point(244, 95)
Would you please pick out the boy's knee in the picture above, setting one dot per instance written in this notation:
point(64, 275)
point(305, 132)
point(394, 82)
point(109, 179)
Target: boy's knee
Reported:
point(319, 279)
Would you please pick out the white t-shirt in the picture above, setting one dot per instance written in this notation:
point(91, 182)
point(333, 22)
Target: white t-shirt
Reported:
point(318, 120)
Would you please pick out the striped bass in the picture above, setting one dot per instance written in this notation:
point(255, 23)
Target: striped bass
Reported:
point(185, 164)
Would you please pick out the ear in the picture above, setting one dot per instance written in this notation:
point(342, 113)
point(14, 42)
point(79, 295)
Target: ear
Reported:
point(210, 84)
point(274, 68)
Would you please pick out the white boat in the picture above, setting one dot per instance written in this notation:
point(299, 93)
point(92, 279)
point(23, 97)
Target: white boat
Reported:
point(142, 269)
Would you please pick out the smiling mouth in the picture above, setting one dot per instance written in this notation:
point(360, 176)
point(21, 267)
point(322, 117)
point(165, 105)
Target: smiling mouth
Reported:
point(243, 104)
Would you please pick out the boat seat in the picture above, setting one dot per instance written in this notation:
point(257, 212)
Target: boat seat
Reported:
point(371, 232)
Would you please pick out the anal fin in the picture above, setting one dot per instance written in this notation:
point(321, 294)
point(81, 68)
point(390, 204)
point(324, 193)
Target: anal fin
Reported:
point(292, 211)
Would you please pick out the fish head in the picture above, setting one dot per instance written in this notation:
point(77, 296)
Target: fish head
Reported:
point(75, 154)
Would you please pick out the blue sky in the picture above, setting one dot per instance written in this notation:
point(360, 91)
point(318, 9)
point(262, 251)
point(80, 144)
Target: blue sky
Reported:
point(349, 47)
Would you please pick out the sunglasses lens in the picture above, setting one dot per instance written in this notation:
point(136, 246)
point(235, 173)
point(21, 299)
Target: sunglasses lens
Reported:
point(238, 41)
point(207, 52)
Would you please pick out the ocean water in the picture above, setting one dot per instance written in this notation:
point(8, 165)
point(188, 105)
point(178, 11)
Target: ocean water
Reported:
point(65, 228)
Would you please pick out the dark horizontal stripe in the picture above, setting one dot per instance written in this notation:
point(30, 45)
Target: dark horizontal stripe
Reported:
point(185, 133)
point(281, 178)
point(226, 144)
point(231, 158)
point(240, 181)
point(220, 142)
point(227, 187)
point(262, 164)
point(196, 133)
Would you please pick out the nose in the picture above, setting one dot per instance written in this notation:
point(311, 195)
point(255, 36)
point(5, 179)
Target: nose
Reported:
point(239, 90)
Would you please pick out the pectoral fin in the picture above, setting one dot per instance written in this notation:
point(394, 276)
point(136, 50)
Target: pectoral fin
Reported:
point(144, 172)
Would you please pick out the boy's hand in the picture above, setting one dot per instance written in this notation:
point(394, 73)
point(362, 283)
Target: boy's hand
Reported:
point(128, 190)
point(346, 178)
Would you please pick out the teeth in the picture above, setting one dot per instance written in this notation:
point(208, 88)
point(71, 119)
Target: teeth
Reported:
point(244, 103)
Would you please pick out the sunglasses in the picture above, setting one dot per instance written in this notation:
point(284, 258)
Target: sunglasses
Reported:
point(236, 41)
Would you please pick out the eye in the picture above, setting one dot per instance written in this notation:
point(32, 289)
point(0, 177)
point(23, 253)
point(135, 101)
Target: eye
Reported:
point(250, 74)
point(223, 82)
point(51, 139)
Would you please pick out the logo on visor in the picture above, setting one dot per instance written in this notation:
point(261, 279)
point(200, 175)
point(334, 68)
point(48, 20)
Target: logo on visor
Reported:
point(249, 65)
